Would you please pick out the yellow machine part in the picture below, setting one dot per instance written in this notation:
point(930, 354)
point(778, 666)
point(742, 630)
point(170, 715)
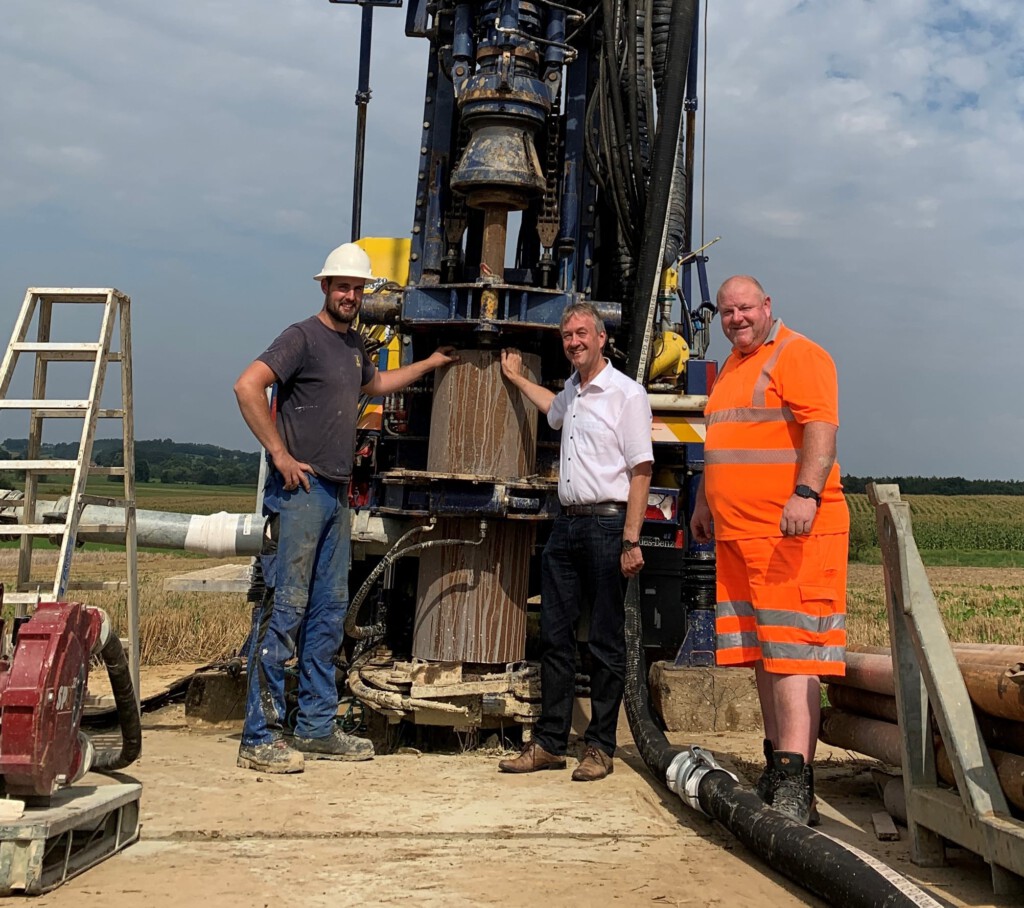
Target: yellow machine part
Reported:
point(389, 256)
point(671, 353)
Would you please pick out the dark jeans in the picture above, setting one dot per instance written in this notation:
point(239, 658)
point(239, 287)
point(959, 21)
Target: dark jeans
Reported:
point(580, 564)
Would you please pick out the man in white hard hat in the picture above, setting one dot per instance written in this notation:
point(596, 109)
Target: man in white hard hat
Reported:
point(320, 368)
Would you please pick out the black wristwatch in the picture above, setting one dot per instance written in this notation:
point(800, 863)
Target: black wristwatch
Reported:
point(628, 545)
point(803, 491)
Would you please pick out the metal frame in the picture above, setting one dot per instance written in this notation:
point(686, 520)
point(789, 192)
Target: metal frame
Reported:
point(929, 683)
point(116, 313)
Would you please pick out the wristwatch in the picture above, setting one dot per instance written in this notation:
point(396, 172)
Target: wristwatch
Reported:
point(628, 545)
point(803, 491)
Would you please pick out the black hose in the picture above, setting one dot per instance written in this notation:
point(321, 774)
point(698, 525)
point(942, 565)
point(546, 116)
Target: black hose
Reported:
point(663, 175)
point(128, 715)
point(655, 749)
point(819, 863)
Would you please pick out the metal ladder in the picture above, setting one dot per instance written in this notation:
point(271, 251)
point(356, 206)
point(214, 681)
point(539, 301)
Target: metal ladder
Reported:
point(40, 302)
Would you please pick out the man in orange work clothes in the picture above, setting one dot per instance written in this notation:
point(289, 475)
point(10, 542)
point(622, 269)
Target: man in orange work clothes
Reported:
point(772, 500)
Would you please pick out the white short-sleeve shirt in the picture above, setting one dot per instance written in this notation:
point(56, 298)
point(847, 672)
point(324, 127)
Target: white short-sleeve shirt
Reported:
point(606, 432)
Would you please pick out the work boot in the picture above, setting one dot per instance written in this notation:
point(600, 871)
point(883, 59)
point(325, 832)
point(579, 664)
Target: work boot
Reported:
point(765, 786)
point(532, 758)
point(276, 756)
point(794, 790)
point(596, 764)
point(335, 746)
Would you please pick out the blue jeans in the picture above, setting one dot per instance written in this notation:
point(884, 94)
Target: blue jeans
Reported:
point(580, 565)
point(303, 610)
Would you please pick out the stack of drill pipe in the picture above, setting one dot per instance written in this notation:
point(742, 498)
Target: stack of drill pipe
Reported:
point(862, 715)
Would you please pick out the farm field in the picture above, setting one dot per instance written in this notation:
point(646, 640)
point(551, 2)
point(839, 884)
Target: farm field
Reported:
point(970, 528)
point(980, 593)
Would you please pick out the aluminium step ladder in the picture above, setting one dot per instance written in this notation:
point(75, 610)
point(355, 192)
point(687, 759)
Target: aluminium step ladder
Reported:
point(38, 309)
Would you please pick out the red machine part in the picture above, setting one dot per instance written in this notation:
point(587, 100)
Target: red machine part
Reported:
point(41, 696)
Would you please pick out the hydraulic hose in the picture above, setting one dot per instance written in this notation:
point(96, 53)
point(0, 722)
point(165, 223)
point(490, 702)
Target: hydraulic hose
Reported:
point(664, 174)
point(396, 552)
point(832, 870)
point(128, 716)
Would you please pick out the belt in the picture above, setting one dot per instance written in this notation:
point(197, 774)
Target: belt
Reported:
point(601, 509)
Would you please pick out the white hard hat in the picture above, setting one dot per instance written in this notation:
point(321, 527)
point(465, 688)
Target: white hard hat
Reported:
point(348, 260)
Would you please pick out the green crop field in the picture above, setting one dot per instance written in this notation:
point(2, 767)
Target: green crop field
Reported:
point(182, 498)
point(982, 530)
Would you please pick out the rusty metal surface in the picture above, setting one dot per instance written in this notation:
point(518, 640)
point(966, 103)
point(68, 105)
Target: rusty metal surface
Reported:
point(479, 424)
point(472, 599)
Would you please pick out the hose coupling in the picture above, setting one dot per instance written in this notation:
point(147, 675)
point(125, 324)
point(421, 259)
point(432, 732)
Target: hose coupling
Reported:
point(687, 770)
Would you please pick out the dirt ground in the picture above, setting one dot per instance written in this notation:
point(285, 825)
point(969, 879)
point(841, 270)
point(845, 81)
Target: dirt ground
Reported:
point(445, 829)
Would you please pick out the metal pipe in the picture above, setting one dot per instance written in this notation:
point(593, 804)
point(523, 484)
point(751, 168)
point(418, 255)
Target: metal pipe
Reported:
point(1002, 734)
point(362, 100)
point(1004, 654)
point(994, 688)
point(881, 740)
point(686, 402)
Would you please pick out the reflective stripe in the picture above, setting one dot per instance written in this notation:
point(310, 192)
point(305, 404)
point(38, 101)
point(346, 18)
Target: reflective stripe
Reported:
point(771, 617)
point(751, 414)
point(753, 455)
point(736, 641)
point(763, 380)
point(802, 652)
point(735, 609)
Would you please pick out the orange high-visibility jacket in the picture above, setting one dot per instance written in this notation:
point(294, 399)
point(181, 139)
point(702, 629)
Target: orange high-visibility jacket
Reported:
point(755, 425)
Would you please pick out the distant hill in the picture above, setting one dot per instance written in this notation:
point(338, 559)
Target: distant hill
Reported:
point(159, 459)
point(938, 485)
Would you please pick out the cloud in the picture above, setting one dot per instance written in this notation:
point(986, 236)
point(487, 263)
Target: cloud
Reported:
point(863, 159)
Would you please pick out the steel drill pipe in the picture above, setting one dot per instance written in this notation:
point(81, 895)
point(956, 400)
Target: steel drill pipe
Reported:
point(994, 688)
point(1001, 734)
point(994, 653)
point(867, 671)
point(862, 702)
point(881, 740)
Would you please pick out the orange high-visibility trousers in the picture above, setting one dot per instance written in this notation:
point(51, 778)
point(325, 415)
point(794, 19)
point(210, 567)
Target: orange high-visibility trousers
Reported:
point(782, 602)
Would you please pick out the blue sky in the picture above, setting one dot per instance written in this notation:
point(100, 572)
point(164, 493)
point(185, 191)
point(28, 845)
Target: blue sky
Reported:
point(863, 160)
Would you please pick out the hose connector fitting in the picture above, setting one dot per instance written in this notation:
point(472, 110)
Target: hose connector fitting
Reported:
point(687, 769)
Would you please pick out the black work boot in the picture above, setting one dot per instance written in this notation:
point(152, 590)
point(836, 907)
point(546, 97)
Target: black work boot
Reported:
point(794, 787)
point(765, 786)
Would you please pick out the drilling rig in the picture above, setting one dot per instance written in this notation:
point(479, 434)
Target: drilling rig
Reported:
point(556, 165)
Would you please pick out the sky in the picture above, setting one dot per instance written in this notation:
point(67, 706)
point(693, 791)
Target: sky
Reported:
point(863, 159)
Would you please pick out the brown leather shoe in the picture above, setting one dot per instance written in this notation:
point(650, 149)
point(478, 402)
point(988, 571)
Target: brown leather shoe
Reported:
point(596, 764)
point(531, 758)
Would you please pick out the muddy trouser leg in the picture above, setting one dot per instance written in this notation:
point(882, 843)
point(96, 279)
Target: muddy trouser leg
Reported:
point(324, 627)
point(302, 518)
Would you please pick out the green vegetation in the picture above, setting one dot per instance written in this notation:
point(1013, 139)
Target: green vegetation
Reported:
point(163, 460)
point(978, 604)
point(981, 530)
point(938, 485)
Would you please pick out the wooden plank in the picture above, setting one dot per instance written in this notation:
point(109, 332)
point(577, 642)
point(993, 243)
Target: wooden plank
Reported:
point(224, 578)
point(885, 828)
point(33, 404)
point(431, 672)
point(463, 689)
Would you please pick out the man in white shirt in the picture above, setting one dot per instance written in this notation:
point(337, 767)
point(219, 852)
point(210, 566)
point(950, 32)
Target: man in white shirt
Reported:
point(603, 480)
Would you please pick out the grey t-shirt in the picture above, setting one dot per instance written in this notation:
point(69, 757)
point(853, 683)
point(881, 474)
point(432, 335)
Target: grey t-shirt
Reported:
point(319, 374)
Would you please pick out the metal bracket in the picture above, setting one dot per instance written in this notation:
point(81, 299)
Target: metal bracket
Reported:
point(929, 683)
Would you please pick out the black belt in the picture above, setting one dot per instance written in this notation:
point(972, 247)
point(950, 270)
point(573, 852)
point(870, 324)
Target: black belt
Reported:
point(601, 509)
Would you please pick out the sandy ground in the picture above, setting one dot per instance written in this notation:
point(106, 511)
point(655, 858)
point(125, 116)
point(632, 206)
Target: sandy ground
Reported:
point(436, 829)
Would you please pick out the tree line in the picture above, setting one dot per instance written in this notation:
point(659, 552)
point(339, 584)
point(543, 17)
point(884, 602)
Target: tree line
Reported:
point(156, 460)
point(938, 485)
